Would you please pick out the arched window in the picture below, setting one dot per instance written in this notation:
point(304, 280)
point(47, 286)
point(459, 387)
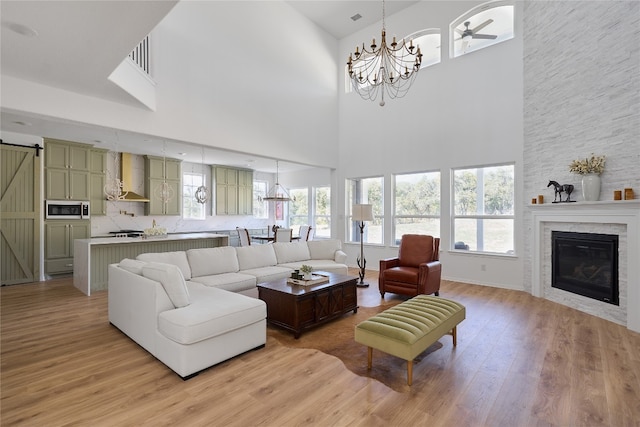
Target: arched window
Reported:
point(480, 27)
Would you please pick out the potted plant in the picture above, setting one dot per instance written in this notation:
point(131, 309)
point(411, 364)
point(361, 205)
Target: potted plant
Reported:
point(306, 270)
point(590, 169)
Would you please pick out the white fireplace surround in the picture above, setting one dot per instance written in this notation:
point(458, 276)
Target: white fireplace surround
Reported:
point(610, 217)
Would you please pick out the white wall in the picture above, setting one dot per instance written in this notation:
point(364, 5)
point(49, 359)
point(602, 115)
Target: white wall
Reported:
point(582, 96)
point(230, 75)
point(462, 112)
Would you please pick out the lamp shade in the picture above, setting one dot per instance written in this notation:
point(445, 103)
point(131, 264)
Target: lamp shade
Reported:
point(362, 213)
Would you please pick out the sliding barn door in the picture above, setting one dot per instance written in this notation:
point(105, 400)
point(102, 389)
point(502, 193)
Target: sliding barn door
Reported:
point(19, 215)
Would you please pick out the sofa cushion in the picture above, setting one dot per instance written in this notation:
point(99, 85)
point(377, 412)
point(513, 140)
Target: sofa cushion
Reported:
point(324, 249)
point(170, 276)
point(256, 256)
point(132, 265)
point(291, 251)
point(208, 261)
point(213, 312)
point(267, 274)
point(234, 282)
point(176, 258)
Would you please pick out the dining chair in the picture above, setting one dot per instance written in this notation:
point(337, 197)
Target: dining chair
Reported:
point(243, 233)
point(305, 232)
point(283, 235)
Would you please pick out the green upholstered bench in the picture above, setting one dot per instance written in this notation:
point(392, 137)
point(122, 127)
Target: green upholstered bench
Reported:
point(409, 328)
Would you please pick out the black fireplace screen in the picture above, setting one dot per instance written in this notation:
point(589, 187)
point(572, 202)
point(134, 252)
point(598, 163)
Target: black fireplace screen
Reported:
point(585, 264)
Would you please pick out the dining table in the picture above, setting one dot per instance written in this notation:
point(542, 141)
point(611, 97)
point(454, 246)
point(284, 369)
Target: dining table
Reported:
point(268, 238)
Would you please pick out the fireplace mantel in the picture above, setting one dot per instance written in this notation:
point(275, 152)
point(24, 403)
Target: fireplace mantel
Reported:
point(623, 212)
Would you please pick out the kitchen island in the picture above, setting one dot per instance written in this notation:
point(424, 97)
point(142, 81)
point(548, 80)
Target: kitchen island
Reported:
point(91, 257)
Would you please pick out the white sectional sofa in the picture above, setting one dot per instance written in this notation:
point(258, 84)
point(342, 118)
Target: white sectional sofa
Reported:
point(240, 269)
point(191, 310)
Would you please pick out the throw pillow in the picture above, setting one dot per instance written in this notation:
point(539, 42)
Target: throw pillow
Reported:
point(171, 279)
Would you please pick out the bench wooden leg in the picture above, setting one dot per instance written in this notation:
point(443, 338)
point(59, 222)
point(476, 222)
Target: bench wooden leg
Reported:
point(369, 357)
point(409, 371)
point(454, 332)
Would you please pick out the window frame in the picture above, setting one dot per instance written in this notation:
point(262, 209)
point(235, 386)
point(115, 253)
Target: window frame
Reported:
point(352, 233)
point(188, 195)
point(258, 199)
point(480, 9)
point(394, 210)
point(482, 216)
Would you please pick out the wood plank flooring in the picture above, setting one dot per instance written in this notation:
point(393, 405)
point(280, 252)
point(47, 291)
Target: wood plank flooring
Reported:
point(520, 361)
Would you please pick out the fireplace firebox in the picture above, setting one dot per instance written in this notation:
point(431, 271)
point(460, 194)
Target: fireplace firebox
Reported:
point(585, 264)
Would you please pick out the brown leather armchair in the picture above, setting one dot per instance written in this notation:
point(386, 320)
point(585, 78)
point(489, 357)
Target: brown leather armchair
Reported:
point(415, 271)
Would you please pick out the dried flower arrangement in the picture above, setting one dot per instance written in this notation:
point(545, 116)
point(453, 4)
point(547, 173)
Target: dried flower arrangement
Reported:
point(593, 164)
point(306, 268)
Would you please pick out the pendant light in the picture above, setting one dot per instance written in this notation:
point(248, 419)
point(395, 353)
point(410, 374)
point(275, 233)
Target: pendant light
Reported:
point(277, 193)
point(164, 191)
point(202, 193)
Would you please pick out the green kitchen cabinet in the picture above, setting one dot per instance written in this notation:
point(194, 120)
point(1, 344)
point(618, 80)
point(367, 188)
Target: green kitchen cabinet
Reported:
point(58, 244)
point(67, 170)
point(98, 180)
point(159, 171)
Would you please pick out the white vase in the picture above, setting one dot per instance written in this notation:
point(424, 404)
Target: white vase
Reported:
point(591, 187)
point(308, 276)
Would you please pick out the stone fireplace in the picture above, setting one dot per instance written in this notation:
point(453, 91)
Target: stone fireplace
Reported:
point(586, 264)
point(620, 219)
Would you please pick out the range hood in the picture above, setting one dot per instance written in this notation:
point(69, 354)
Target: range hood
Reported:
point(126, 174)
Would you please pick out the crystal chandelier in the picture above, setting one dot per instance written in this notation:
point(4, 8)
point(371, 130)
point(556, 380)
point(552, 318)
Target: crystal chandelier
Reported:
point(202, 193)
point(277, 193)
point(113, 189)
point(384, 69)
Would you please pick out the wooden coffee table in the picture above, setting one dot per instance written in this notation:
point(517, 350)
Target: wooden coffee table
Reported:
point(298, 308)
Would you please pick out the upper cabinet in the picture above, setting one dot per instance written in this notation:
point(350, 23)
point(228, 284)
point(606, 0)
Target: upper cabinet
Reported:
point(233, 191)
point(98, 162)
point(67, 170)
point(163, 185)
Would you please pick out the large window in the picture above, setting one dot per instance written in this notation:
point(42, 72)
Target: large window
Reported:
point(416, 204)
point(298, 208)
point(322, 212)
point(260, 206)
point(483, 200)
point(480, 27)
point(369, 191)
point(191, 209)
point(314, 211)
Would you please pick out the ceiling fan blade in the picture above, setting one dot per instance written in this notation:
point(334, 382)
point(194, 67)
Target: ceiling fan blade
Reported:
point(484, 36)
point(481, 26)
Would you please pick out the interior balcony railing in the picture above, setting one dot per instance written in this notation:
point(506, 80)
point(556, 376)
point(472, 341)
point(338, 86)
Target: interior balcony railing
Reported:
point(141, 55)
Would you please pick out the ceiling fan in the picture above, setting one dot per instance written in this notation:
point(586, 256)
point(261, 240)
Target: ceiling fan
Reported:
point(467, 34)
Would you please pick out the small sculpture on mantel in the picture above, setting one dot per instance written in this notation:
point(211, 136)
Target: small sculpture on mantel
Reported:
point(559, 189)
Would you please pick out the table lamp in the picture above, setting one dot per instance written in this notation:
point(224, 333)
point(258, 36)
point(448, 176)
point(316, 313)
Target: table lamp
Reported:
point(362, 213)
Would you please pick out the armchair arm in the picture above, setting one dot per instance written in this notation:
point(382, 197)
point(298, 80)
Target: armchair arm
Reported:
point(429, 277)
point(389, 263)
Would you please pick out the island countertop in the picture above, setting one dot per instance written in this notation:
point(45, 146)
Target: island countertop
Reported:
point(91, 257)
point(177, 236)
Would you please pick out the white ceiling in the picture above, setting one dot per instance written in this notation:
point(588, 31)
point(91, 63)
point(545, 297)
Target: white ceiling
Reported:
point(59, 57)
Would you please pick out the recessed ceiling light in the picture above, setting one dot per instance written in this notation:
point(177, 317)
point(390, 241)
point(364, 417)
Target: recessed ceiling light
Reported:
point(21, 29)
point(182, 154)
point(21, 123)
point(356, 17)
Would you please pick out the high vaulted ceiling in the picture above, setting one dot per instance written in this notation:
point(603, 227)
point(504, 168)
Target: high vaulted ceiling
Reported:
point(75, 45)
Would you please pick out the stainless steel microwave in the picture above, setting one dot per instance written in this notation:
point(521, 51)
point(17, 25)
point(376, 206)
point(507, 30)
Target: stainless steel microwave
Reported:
point(66, 209)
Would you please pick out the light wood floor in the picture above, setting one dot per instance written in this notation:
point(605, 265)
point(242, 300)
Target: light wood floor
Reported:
point(520, 361)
